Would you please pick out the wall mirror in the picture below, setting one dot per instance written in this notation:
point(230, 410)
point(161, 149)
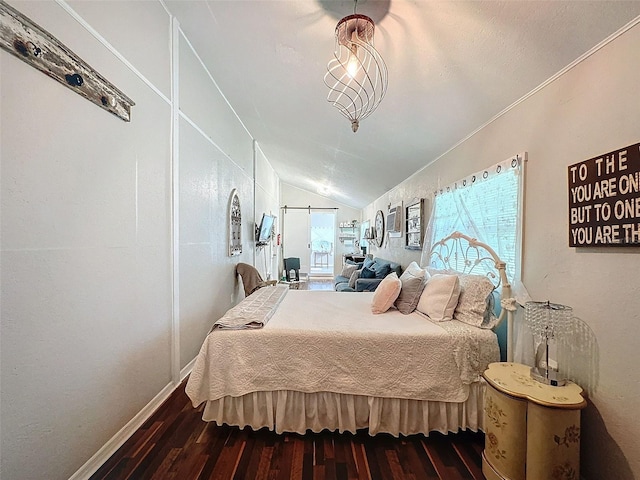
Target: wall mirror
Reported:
point(235, 224)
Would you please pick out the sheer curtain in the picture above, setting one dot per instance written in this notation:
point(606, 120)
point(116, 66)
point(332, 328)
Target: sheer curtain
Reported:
point(488, 206)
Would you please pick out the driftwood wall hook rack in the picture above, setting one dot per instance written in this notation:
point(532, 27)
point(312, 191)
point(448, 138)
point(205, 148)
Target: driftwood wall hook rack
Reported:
point(37, 47)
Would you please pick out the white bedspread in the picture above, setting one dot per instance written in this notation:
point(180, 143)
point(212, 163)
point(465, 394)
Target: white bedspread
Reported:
point(331, 342)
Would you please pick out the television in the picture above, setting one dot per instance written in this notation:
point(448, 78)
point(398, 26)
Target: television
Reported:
point(263, 232)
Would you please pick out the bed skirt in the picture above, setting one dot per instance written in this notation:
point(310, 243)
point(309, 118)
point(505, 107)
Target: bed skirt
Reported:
point(290, 411)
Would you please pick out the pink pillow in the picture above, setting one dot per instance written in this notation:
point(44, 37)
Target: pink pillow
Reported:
point(386, 293)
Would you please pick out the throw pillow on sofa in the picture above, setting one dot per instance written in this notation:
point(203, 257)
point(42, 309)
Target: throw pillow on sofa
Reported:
point(354, 276)
point(382, 270)
point(376, 270)
point(348, 270)
point(368, 272)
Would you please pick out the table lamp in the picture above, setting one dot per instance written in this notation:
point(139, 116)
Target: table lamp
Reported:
point(547, 321)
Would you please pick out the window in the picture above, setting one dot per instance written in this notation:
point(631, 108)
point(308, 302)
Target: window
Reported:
point(486, 206)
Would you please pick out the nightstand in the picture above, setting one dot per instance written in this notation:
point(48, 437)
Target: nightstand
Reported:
point(532, 430)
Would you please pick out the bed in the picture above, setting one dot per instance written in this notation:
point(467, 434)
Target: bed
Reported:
point(294, 361)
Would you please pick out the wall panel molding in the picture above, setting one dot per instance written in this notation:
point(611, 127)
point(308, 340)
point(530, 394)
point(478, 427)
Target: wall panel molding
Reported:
point(111, 48)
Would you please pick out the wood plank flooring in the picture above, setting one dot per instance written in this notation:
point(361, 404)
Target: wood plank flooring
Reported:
point(176, 444)
point(318, 283)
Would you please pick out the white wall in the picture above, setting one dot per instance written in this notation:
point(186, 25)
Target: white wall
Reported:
point(393, 248)
point(267, 200)
point(592, 109)
point(104, 298)
point(215, 156)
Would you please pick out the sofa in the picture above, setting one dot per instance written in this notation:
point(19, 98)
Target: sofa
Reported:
point(367, 281)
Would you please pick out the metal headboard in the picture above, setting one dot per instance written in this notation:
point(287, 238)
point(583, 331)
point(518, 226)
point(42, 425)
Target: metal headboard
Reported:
point(463, 254)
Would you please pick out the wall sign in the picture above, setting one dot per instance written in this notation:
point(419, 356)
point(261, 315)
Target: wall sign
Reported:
point(604, 200)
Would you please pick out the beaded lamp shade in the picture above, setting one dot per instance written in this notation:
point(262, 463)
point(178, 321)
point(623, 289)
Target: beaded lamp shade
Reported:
point(547, 321)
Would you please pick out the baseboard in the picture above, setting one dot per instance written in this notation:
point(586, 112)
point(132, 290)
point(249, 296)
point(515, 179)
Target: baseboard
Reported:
point(108, 449)
point(187, 369)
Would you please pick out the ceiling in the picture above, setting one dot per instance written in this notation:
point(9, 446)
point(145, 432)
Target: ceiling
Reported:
point(453, 65)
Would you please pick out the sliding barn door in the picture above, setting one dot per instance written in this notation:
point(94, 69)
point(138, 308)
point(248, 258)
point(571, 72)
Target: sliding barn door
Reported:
point(296, 241)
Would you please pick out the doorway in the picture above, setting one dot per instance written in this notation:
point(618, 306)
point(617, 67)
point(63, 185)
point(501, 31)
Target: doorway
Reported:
point(310, 235)
point(364, 241)
point(322, 232)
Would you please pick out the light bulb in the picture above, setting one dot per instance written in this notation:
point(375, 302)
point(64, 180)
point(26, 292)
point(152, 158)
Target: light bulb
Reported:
point(353, 65)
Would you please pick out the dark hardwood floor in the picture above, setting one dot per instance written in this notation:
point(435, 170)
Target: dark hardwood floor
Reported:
point(176, 444)
point(318, 283)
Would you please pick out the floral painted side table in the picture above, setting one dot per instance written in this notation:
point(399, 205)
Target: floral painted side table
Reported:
point(532, 430)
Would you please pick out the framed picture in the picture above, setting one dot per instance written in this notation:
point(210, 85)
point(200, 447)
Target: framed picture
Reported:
point(394, 220)
point(414, 224)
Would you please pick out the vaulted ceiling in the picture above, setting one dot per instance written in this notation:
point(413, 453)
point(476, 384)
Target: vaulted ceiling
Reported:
point(453, 66)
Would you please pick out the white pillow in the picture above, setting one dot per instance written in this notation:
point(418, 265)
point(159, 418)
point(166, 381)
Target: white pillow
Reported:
point(435, 271)
point(475, 306)
point(440, 297)
point(386, 293)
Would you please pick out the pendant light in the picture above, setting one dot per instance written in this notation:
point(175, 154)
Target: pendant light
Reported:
point(357, 75)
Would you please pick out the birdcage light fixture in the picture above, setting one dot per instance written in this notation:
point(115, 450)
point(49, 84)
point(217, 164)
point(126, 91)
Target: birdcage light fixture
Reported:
point(356, 75)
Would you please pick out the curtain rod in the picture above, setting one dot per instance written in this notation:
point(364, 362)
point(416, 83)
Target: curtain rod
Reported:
point(286, 207)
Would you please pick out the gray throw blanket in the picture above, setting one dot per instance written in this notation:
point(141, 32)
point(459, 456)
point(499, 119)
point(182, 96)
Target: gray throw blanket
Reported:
point(255, 310)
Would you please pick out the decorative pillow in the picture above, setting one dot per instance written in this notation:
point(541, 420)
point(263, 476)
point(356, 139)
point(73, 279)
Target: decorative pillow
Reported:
point(367, 262)
point(386, 293)
point(441, 271)
point(354, 276)
point(348, 269)
point(413, 281)
point(380, 270)
point(474, 305)
point(440, 297)
point(368, 272)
